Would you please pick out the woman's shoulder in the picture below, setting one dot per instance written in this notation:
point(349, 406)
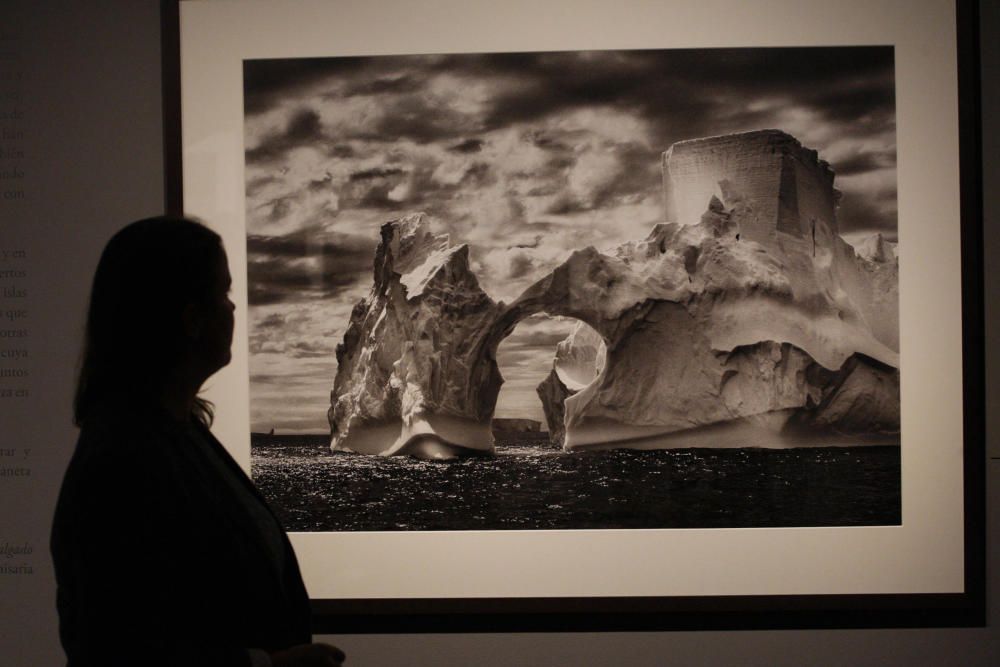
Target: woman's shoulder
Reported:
point(136, 437)
point(125, 467)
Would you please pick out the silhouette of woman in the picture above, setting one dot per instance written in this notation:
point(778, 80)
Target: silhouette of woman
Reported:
point(164, 552)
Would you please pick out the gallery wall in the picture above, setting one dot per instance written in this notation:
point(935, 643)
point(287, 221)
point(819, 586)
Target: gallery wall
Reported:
point(84, 155)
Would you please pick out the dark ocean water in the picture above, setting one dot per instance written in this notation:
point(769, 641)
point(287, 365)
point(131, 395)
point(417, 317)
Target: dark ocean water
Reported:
point(531, 485)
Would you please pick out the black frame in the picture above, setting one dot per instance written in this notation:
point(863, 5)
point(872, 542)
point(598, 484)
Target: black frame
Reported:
point(580, 614)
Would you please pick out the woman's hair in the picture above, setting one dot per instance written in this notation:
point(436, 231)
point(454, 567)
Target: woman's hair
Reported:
point(148, 273)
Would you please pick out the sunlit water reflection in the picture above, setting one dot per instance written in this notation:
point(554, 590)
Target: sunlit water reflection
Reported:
point(532, 485)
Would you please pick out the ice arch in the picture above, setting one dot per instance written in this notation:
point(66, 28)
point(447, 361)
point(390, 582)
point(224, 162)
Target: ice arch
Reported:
point(562, 370)
point(709, 341)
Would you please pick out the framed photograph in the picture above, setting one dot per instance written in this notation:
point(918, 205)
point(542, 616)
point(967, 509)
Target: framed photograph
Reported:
point(603, 316)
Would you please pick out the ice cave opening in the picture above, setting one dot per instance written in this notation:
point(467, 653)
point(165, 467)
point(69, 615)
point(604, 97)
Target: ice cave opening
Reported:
point(542, 361)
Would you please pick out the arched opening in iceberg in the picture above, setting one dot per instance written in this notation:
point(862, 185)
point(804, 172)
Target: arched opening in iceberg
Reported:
point(544, 360)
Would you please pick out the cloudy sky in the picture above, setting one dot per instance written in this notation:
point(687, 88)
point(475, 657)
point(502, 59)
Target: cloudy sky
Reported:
point(526, 157)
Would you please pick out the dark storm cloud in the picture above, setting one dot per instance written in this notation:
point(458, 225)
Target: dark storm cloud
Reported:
point(685, 93)
point(690, 93)
point(550, 141)
point(276, 209)
point(553, 82)
point(838, 86)
point(303, 129)
point(520, 265)
point(320, 184)
point(379, 85)
point(368, 174)
point(565, 205)
point(267, 82)
point(255, 184)
point(305, 265)
point(681, 94)
point(852, 102)
point(467, 146)
point(405, 111)
point(479, 174)
point(371, 188)
point(272, 321)
point(549, 186)
point(416, 119)
point(637, 173)
point(534, 244)
point(863, 163)
point(341, 151)
point(378, 199)
point(861, 214)
point(815, 69)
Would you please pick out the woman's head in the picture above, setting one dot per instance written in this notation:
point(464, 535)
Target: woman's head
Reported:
point(158, 308)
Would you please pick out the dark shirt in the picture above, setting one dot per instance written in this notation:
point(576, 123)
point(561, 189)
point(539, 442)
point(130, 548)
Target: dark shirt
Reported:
point(165, 554)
